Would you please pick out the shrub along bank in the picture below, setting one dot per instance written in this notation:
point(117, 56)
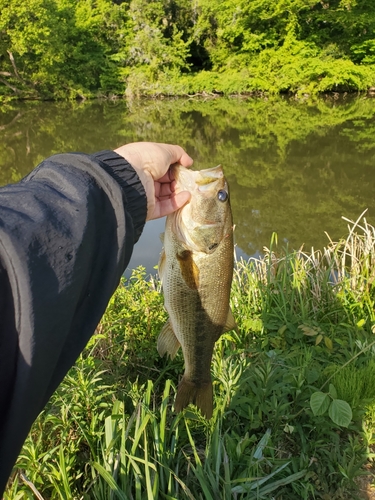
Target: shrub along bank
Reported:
point(294, 387)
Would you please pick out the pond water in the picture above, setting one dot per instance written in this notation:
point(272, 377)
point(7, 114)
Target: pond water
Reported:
point(294, 168)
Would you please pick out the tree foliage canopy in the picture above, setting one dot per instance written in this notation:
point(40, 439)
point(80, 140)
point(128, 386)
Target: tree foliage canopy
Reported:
point(67, 48)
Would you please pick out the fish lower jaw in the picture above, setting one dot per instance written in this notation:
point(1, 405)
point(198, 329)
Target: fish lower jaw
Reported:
point(208, 225)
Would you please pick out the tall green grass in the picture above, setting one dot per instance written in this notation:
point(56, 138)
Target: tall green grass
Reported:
point(294, 414)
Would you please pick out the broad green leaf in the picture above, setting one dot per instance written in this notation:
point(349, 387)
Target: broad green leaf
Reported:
point(319, 403)
point(282, 329)
point(328, 342)
point(318, 339)
point(307, 330)
point(340, 412)
point(312, 375)
point(332, 391)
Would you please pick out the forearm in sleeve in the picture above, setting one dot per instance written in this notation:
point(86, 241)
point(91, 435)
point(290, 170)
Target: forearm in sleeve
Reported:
point(67, 232)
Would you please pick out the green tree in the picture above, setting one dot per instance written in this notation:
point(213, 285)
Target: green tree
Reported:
point(57, 48)
point(155, 47)
point(70, 48)
point(342, 28)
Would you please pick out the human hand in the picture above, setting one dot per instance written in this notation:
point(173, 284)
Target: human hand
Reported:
point(152, 162)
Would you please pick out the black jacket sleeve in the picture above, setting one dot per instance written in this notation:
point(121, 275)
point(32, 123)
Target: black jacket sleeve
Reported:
point(67, 232)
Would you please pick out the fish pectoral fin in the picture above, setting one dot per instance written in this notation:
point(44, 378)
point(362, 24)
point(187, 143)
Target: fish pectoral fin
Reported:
point(167, 341)
point(161, 265)
point(189, 269)
point(200, 395)
point(230, 323)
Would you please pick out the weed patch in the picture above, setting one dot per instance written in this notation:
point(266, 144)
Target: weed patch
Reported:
point(294, 412)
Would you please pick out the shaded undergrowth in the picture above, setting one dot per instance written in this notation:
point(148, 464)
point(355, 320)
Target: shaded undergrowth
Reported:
point(294, 392)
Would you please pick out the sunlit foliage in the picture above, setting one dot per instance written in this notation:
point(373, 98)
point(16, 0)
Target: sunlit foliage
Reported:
point(294, 412)
point(66, 48)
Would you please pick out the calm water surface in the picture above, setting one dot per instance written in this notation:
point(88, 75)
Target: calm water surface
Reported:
point(294, 168)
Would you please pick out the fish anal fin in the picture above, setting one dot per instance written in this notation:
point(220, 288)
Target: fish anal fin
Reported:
point(167, 341)
point(201, 395)
point(230, 323)
point(189, 269)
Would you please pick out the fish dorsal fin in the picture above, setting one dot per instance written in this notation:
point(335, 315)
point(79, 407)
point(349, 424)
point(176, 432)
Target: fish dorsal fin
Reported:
point(161, 265)
point(161, 236)
point(189, 269)
point(230, 323)
point(167, 341)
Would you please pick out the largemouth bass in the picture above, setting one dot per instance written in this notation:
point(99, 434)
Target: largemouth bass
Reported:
point(196, 268)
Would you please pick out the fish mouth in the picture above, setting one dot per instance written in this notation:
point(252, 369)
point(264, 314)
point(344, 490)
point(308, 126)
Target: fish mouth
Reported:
point(207, 177)
point(203, 180)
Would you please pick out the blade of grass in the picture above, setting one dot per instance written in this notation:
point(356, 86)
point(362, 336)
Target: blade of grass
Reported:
point(109, 480)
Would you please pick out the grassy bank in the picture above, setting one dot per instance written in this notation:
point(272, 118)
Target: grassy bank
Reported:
point(294, 387)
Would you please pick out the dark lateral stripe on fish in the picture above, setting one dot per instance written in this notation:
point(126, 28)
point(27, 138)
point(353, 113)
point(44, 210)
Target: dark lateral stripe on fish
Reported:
point(189, 270)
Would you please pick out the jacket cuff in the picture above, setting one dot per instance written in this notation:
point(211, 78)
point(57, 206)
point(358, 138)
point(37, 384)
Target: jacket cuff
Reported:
point(132, 187)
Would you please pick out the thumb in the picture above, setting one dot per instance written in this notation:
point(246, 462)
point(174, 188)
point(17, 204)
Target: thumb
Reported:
point(170, 205)
point(181, 199)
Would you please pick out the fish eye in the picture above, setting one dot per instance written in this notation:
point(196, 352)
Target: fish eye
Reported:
point(222, 195)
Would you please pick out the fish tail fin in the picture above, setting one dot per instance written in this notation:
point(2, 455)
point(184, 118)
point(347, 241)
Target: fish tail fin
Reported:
point(200, 395)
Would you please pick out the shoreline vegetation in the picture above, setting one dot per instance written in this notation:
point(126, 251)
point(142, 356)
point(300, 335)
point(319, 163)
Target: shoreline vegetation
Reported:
point(294, 412)
point(68, 49)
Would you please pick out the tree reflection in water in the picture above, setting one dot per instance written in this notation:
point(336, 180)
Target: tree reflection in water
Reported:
point(294, 167)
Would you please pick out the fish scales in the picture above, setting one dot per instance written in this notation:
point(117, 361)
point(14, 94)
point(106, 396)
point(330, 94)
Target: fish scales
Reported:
point(196, 269)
